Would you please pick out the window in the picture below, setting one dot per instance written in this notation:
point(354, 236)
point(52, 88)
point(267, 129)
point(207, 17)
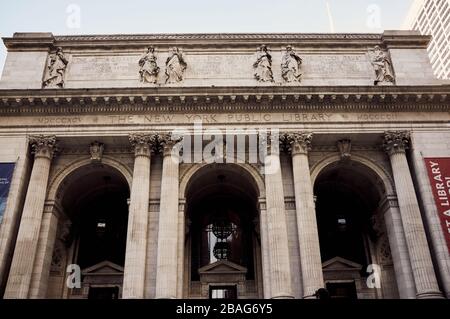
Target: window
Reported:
point(222, 232)
point(342, 290)
point(222, 292)
point(103, 293)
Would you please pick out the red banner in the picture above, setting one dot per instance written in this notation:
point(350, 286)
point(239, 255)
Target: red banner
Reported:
point(439, 173)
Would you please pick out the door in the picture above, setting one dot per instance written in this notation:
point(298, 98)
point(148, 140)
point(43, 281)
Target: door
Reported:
point(103, 293)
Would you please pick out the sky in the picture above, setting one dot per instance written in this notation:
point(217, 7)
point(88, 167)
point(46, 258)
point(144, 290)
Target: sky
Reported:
point(198, 16)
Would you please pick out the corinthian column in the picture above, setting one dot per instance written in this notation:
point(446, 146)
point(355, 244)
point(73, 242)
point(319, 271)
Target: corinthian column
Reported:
point(395, 144)
point(44, 252)
point(135, 255)
point(278, 251)
point(19, 279)
point(167, 275)
point(298, 144)
point(399, 250)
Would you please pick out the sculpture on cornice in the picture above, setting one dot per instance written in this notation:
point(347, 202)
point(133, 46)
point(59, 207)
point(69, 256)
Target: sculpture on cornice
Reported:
point(56, 68)
point(175, 66)
point(263, 65)
point(383, 67)
point(291, 66)
point(149, 68)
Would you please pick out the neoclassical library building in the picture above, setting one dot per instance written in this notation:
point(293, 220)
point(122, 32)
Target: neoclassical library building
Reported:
point(223, 166)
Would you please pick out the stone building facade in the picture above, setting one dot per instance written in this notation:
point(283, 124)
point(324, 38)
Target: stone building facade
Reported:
point(128, 166)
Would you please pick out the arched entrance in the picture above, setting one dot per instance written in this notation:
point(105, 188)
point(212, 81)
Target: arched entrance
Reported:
point(93, 199)
point(353, 239)
point(224, 253)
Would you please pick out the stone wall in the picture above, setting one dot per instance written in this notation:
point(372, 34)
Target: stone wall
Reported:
point(430, 144)
point(216, 60)
point(14, 150)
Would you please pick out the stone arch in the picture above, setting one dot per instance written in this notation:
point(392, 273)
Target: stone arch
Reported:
point(58, 182)
point(251, 170)
point(376, 241)
point(61, 196)
point(239, 195)
point(385, 178)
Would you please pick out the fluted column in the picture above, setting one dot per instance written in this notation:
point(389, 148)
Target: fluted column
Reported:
point(399, 250)
point(136, 248)
point(395, 144)
point(19, 279)
point(181, 246)
point(278, 245)
point(264, 247)
point(167, 265)
point(44, 252)
point(298, 144)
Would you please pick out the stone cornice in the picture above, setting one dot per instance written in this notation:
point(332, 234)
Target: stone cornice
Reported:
point(221, 36)
point(268, 98)
point(32, 41)
point(408, 38)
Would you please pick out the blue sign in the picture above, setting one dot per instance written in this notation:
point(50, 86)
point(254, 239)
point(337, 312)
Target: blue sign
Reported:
point(6, 172)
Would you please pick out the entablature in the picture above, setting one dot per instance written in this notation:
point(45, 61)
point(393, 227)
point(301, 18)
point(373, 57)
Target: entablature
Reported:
point(217, 99)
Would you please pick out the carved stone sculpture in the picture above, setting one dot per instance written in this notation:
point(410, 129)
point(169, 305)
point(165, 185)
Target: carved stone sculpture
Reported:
point(59, 249)
point(291, 66)
point(141, 142)
point(297, 143)
point(149, 68)
point(56, 68)
point(66, 233)
point(396, 141)
point(345, 147)
point(43, 145)
point(263, 65)
point(175, 66)
point(168, 142)
point(96, 150)
point(376, 223)
point(383, 68)
point(384, 251)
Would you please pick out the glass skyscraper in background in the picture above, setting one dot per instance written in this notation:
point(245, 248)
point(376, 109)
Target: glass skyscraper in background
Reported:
point(432, 17)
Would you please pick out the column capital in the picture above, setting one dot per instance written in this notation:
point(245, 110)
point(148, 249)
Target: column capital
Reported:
point(270, 142)
point(167, 141)
point(141, 142)
point(396, 141)
point(43, 145)
point(297, 142)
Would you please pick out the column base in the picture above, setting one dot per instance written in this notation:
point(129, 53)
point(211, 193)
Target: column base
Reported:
point(132, 296)
point(430, 295)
